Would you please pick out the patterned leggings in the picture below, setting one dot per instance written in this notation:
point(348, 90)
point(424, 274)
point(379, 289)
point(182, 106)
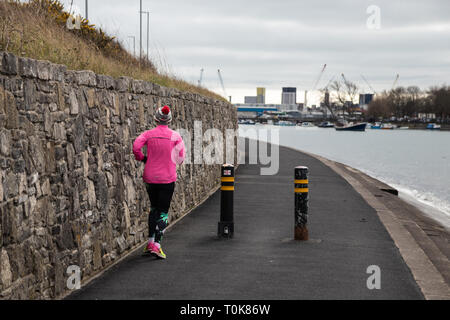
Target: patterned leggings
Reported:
point(160, 197)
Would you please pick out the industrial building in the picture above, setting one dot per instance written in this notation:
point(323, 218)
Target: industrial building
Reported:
point(289, 95)
point(250, 99)
point(261, 95)
point(364, 100)
point(256, 105)
point(250, 111)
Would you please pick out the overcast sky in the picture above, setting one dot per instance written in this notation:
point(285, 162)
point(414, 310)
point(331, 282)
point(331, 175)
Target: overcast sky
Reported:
point(286, 42)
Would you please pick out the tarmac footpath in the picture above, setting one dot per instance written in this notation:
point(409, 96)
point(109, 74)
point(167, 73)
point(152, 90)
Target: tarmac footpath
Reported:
point(262, 261)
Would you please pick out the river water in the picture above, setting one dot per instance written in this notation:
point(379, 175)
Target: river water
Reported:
point(415, 162)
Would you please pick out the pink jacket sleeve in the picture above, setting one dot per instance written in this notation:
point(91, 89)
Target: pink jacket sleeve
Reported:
point(179, 151)
point(138, 144)
point(182, 153)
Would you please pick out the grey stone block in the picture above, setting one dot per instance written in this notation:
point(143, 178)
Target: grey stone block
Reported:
point(73, 103)
point(43, 69)
point(85, 78)
point(9, 65)
point(137, 86)
point(105, 82)
point(28, 68)
point(123, 84)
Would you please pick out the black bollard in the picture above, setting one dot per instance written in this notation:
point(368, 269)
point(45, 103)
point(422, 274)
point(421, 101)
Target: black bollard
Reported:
point(301, 203)
point(226, 224)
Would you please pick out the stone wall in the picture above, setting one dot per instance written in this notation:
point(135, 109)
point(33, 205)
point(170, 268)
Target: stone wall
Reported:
point(71, 192)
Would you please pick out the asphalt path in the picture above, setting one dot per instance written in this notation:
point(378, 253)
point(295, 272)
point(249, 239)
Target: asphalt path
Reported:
point(262, 261)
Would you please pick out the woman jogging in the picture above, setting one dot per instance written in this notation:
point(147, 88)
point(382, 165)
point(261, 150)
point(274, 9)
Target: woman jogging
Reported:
point(165, 149)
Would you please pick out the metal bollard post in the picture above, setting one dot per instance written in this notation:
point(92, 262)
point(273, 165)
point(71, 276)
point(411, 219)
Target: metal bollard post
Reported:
point(301, 203)
point(226, 224)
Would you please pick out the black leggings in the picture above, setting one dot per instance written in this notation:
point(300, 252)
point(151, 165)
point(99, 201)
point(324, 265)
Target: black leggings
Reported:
point(160, 197)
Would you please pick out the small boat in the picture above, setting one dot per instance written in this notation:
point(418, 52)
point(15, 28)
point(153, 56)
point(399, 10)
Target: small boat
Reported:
point(307, 125)
point(352, 127)
point(433, 126)
point(402, 128)
point(250, 122)
point(285, 123)
point(387, 126)
point(377, 125)
point(326, 124)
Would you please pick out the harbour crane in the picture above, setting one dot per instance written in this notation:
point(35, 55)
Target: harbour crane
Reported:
point(319, 77)
point(329, 82)
point(395, 82)
point(223, 86)
point(347, 83)
point(201, 77)
point(315, 84)
point(365, 80)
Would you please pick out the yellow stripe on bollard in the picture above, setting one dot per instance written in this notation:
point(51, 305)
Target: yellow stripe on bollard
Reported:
point(227, 188)
point(227, 179)
point(301, 181)
point(301, 190)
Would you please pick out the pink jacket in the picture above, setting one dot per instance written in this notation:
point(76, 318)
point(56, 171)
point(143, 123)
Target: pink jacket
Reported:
point(165, 149)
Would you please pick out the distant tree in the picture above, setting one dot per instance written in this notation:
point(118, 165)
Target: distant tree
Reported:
point(401, 102)
point(345, 91)
point(440, 100)
point(351, 90)
point(397, 101)
point(378, 108)
point(327, 102)
point(412, 101)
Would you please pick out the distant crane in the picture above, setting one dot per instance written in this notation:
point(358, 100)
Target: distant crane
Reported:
point(223, 86)
point(329, 82)
point(395, 82)
point(319, 77)
point(368, 84)
point(315, 84)
point(201, 77)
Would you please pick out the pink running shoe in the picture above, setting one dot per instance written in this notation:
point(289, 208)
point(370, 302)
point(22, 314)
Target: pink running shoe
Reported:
point(149, 247)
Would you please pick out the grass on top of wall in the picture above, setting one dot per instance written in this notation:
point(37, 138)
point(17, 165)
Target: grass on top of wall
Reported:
point(37, 29)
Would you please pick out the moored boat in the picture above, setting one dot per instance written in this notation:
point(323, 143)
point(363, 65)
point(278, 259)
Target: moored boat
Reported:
point(326, 124)
point(376, 125)
point(387, 126)
point(353, 127)
point(307, 125)
point(433, 126)
point(285, 123)
point(250, 122)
